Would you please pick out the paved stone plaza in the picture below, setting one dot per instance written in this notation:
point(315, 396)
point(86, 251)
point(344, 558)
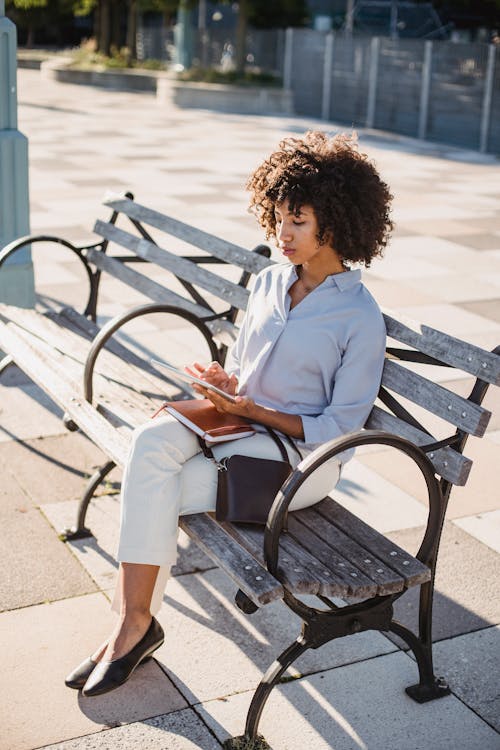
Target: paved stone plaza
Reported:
point(442, 268)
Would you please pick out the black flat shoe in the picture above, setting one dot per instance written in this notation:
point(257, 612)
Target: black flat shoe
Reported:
point(108, 675)
point(79, 676)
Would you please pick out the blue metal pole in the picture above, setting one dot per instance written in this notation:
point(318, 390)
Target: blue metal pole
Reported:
point(16, 278)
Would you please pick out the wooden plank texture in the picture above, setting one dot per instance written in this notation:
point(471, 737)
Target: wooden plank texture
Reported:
point(222, 249)
point(230, 292)
point(435, 398)
point(387, 580)
point(290, 572)
point(342, 582)
point(153, 290)
point(449, 464)
point(376, 545)
point(444, 347)
point(248, 574)
point(44, 371)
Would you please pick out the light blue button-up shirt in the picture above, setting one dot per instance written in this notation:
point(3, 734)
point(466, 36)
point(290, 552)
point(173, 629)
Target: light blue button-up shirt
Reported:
point(322, 360)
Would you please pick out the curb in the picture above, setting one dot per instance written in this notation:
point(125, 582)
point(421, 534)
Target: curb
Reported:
point(251, 100)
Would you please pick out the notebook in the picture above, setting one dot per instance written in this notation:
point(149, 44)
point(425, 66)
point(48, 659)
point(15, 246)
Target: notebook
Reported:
point(201, 416)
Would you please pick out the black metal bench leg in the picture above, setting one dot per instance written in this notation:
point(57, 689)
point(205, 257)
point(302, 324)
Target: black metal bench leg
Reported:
point(80, 531)
point(251, 740)
point(429, 686)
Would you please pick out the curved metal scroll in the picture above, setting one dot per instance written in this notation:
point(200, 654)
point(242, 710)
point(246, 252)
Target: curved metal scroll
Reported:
point(18, 244)
point(113, 325)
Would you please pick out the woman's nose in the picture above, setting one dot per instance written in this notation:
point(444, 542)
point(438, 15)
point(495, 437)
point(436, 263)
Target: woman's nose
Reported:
point(284, 232)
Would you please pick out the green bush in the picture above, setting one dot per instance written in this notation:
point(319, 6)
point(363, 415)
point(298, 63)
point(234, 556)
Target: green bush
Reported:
point(213, 75)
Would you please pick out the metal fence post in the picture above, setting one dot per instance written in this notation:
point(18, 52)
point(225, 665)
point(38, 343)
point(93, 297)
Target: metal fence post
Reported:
point(425, 90)
point(287, 62)
point(372, 82)
point(327, 77)
point(487, 99)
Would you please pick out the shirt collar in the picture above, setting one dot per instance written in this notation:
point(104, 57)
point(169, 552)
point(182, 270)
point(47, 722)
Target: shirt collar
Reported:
point(343, 281)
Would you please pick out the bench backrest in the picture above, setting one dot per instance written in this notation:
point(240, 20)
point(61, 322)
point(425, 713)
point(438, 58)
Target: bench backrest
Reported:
point(188, 269)
point(416, 407)
point(403, 384)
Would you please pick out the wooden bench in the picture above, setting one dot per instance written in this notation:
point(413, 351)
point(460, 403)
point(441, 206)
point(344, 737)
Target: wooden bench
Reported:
point(106, 389)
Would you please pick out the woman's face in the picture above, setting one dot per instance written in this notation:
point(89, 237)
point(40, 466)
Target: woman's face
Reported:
point(296, 234)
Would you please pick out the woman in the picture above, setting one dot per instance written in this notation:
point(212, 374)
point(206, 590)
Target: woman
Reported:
point(307, 362)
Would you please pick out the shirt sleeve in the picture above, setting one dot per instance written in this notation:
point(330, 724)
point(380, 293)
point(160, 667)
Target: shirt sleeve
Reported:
point(356, 385)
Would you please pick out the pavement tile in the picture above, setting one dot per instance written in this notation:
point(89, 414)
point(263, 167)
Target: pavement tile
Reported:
point(457, 287)
point(400, 294)
point(97, 553)
point(36, 566)
point(55, 469)
point(376, 501)
point(482, 241)
point(466, 588)
point(52, 639)
point(17, 403)
point(471, 664)
point(479, 495)
point(483, 526)
point(361, 706)
point(449, 318)
point(180, 730)
point(212, 649)
point(488, 308)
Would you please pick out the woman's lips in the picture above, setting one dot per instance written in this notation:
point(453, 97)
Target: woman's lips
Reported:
point(287, 250)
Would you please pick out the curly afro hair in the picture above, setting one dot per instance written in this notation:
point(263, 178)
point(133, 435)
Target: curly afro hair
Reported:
point(350, 201)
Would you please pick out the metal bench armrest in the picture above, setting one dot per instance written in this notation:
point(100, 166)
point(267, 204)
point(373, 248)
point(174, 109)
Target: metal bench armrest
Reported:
point(277, 514)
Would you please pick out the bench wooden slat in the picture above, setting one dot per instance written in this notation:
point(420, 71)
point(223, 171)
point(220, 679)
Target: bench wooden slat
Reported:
point(222, 249)
point(435, 398)
point(387, 580)
point(248, 574)
point(342, 581)
point(155, 291)
point(43, 370)
point(449, 464)
point(117, 361)
point(444, 347)
point(120, 375)
point(413, 571)
point(230, 292)
point(297, 571)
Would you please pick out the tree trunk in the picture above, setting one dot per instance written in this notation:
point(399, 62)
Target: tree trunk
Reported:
point(116, 24)
point(104, 27)
point(131, 32)
point(30, 36)
point(241, 36)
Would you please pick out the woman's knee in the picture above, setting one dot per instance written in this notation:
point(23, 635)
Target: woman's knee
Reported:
point(164, 435)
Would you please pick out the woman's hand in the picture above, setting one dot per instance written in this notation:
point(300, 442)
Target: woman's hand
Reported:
point(215, 375)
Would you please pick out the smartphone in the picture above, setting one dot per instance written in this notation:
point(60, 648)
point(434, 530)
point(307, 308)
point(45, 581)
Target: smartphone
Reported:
point(185, 377)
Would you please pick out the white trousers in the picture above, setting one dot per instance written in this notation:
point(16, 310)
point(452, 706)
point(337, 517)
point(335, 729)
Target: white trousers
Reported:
point(167, 476)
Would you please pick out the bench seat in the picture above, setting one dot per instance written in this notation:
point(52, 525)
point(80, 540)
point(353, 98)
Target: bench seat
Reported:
point(52, 350)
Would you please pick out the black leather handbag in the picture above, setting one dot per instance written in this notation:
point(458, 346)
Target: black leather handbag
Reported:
point(247, 486)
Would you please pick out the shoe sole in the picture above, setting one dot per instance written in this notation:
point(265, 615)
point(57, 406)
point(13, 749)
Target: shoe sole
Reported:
point(144, 658)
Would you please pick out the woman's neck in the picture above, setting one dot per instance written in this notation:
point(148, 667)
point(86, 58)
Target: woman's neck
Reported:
point(312, 275)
